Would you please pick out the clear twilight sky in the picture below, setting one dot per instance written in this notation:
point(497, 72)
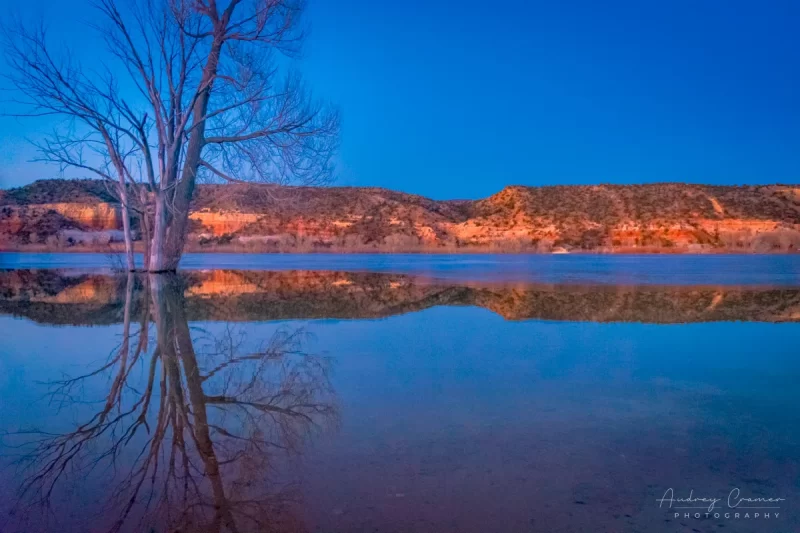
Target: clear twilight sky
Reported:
point(458, 99)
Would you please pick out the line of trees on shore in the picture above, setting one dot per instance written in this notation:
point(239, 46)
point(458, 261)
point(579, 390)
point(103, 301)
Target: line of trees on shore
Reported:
point(184, 90)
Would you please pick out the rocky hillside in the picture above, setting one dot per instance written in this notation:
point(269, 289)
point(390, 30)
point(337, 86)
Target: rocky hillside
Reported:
point(652, 217)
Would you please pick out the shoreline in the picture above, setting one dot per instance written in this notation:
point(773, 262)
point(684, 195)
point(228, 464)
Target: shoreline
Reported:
point(642, 250)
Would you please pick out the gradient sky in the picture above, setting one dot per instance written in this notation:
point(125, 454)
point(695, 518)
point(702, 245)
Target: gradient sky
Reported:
point(458, 99)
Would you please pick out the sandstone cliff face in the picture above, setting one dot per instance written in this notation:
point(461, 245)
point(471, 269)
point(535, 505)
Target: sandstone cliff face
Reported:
point(42, 223)
point(658, 215)
point(607, 217)
point(31, 225)
point(669, 216)
point(42, 211)
point(220, 223)
point(98, 216)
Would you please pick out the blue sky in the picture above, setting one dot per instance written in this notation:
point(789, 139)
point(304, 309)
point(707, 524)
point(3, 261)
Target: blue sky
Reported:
point(458, 99)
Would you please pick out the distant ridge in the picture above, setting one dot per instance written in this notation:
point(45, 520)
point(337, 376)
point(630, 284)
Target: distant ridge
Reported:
point(666, 217)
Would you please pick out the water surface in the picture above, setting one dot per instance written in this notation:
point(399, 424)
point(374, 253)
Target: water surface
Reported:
point(616, 269)
point(411, 393)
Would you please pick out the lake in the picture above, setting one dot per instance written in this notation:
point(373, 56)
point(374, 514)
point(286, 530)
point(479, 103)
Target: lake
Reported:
point(405, 393)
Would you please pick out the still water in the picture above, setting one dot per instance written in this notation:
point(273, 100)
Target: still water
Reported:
point(400, 394)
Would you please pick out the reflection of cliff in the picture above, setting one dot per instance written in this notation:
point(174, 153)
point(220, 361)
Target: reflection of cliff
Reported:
point(312, 294)
point(651, 304)
point(229, 295)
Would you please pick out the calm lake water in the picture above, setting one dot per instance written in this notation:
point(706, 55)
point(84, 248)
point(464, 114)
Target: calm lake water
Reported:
point(415, 393)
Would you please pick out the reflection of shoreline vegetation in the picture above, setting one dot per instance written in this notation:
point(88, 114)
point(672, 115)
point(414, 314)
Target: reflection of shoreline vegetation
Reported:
point(242, 296)
point(192, 427)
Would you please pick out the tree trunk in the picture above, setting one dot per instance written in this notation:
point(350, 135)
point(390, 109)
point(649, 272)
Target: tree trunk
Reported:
point(160, 259)
point(147, 235)
point(178, 224)
point(167, 251)
point(126, 228)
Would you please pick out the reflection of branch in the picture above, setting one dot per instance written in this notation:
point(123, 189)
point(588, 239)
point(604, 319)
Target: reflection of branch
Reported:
point(190, 467)
point(280, 345)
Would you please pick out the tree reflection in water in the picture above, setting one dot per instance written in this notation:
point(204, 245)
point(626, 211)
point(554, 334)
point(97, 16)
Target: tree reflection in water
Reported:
point(192, 431)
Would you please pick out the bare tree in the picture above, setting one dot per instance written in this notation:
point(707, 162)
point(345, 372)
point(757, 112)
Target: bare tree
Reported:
point(213, 95)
